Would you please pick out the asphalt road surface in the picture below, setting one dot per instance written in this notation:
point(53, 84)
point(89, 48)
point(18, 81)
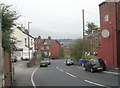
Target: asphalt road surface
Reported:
point(58, 74)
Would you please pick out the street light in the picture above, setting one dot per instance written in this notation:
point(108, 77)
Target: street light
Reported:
point(29, 40)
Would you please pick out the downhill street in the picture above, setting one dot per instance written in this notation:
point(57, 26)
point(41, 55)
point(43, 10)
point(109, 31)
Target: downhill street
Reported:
point(58, 74)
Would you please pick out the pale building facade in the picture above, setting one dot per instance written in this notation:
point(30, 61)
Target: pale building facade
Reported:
point(23, 42)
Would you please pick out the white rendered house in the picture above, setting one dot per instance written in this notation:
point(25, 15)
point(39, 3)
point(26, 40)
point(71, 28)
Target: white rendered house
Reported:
point(24, 43)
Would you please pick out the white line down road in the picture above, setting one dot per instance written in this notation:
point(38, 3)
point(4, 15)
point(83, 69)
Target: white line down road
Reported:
point(70, 74)
point(32, 77)
point(59, 69)
point(66, 72)
point(96, 84)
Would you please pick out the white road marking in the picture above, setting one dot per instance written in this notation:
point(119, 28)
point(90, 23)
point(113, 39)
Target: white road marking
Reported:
point(61, 70)
point(96, 83)
point(32, 77)
point(57, 67)
point(70, 74)
point(111, 72)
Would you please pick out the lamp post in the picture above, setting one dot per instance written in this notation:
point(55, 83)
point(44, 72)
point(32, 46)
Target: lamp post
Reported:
point(29, 40)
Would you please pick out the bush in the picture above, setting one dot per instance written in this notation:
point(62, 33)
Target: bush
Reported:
point(89, 57)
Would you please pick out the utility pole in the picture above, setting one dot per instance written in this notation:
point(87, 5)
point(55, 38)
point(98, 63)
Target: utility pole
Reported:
point(83, 35)
point(29, 40)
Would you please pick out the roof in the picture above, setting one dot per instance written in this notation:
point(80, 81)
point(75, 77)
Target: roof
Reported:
point(40, 41)
point(25, 32)
point(47, 41)
point(51, 41)
point(103, 3)
point(93, 35)
point(107, 1)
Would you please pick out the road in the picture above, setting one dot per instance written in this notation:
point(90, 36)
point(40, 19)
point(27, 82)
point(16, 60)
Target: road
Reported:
point(58, 74)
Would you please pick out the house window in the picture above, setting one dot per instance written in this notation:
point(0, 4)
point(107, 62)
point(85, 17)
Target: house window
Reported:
point(106, 17)
point(45, 43)
point(25, 41)
point(19, 42)
point(47, 47)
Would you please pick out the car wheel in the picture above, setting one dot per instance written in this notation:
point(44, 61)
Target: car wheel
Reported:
point(91, 70)
point(88, 69)
point(104, 69)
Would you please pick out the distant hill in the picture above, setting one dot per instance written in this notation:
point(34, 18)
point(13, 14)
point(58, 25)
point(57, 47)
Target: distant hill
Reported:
point(66, 42)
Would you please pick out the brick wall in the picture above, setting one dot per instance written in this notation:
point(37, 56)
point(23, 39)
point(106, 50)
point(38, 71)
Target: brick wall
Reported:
point(32, 62)
point(7, 69)
point(108, 49)
point(55, 50)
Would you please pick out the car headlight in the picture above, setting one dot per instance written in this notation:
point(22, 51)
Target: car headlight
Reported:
point(68, 62)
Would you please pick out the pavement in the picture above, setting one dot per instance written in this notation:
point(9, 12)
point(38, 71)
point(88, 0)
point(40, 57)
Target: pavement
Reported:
point(113, 71)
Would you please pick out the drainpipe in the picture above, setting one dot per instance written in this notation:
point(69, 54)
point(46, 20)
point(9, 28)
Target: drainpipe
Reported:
point(117, 20)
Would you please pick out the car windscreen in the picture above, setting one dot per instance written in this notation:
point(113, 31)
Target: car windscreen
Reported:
point(96, 61)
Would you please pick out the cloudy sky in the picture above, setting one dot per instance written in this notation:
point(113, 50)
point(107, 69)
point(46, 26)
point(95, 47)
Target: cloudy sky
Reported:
point(56, 18)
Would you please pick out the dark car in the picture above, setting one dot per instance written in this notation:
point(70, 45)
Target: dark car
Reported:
point(47, 60)
point(43, 63)
point(69, 62)
point(95, 64)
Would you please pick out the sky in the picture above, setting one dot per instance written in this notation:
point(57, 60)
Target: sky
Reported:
point(60, 19)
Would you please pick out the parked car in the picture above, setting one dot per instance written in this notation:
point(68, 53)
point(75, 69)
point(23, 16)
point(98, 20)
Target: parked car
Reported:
point(47, 60)
point(14, 59)
point(43, 63)
point(85, 62)
point(69, 62)
point(95, 64)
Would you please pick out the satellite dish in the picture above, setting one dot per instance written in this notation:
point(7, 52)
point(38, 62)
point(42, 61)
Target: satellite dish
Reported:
point(105, 33)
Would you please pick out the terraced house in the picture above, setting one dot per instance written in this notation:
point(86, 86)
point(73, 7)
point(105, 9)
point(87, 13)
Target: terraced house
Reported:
point(24, 43)
point(50, 47)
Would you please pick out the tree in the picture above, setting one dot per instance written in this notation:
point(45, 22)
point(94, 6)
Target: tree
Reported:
point(61, 52)
point(42, 55)
point(91, 26)
point(76, 49)
point(8, 20)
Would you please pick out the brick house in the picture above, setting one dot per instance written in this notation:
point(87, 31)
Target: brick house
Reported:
point(110, 33)
point(50, 47)
point(94, 39)
point(95, 42)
